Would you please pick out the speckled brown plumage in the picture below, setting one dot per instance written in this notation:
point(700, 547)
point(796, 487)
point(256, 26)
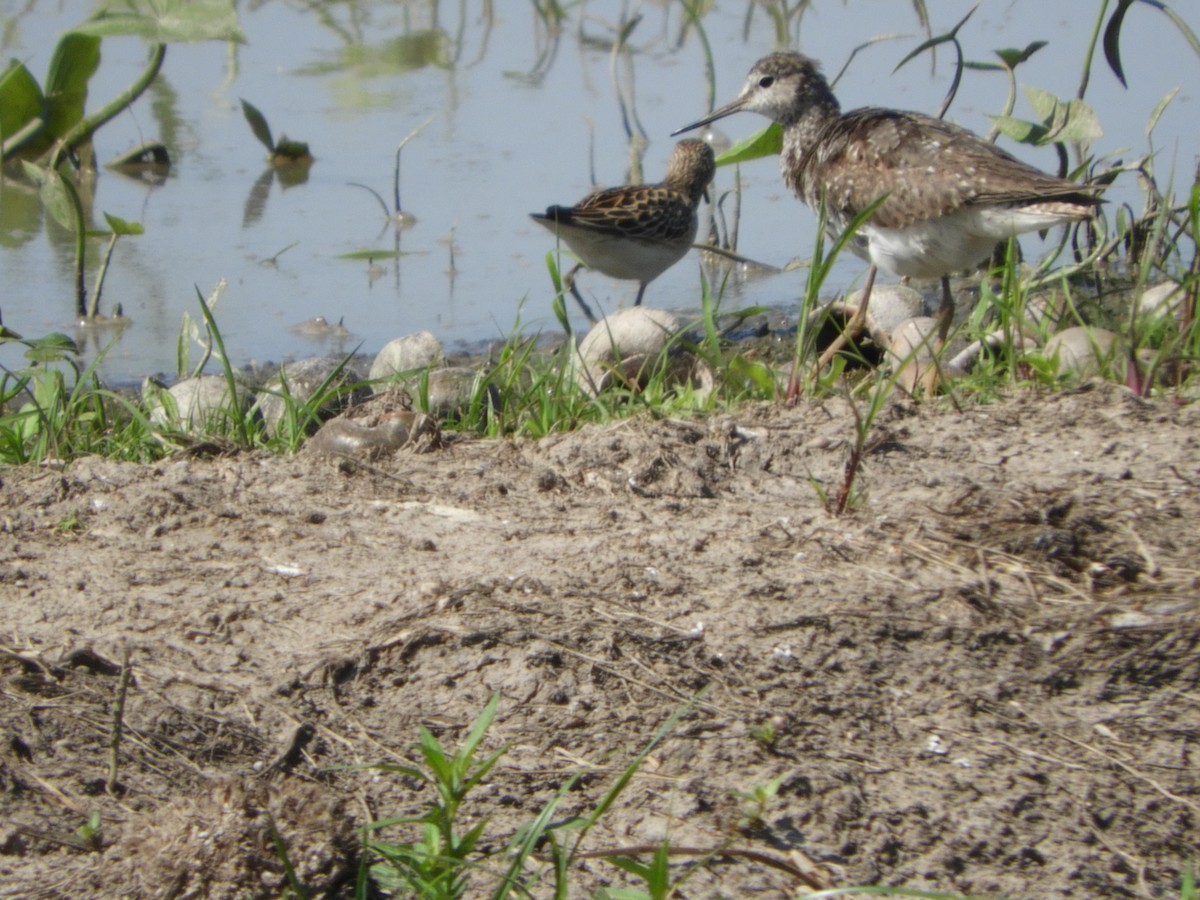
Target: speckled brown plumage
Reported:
point(950, 196)
point(927, 167)
point(637, 232)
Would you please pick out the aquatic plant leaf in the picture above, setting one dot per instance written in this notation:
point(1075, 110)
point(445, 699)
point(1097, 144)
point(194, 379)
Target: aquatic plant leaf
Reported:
point(1020, 130)
point(53, 193)
point(1065, 120)
point(1112, 40)
point(1013, 57)
point(20, 99)
point(289, 151)
point(75, 61)
point(768, 142)
point(258, 124)
point(949, 37)
point(51, 348)
point(390, 253)
point(170, 22)
point(1159, 109)
point(123, 228)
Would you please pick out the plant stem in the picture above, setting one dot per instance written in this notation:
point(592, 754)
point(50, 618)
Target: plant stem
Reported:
point(94, 306)
point(87, 126)
point(81, 309)
point(1091, 51)
point(20, 138)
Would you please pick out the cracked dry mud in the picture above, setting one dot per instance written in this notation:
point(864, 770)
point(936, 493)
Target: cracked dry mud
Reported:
point(983, 679)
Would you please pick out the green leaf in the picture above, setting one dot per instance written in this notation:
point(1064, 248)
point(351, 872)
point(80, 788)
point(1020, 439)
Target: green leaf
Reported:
point(75, 61)
point(291, 151)
point(53, 194)
point(170, 22)
point(1065, 121)
point(1062, 121)
point(1112, 40)
point(632, 866)
point(51, 348)
point(768, 142)
point(20, 99)
point(123, 228)
point(258, 124)
point(1020, 130)
point(948, 37)
point(384, 253)
point(478, 729)
point(621, 893)
point(1045, 104)
point(1159, 109)
point(1013, 57)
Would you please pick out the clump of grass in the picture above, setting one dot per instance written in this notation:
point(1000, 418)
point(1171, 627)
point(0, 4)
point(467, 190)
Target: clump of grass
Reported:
point(451, 855)
point(54, 409)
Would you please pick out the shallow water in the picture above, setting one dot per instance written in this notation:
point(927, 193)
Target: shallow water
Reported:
point(503, 139)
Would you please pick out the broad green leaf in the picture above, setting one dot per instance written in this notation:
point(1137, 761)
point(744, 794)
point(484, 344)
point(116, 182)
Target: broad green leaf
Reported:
point(767, 142)
point(20, 99)
point(51, 348)
point(1082, 123)
point(258, 124)
point(54, 195)
point(121, 227)
point(1019, 130)
point(170, 22)
point(1045, 104)
point(75, 61)
point(1065, 121)
point(1062, 121)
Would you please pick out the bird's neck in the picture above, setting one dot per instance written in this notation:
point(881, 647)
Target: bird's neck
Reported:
point(802, 127)
point(802, 133)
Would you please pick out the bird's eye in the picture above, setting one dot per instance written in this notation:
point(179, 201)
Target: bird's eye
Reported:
point(766, 81)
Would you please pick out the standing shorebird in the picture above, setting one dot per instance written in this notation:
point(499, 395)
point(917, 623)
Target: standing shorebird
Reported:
point(950, 195)
point(636, 232)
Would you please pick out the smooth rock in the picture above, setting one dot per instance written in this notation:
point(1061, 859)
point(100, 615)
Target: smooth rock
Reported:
point(406, 355)
point(890, 305)
point(198, 405)
point(963, 361)
point(1086, 351)
point(623, 346)
point(296, 385)
point(1160, 300)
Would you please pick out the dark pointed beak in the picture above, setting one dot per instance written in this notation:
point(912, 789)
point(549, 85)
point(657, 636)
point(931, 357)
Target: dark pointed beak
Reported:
point(727, 110)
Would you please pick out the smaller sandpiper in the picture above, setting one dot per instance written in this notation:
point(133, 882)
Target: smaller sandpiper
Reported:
point(948, 196)
point(636, 232)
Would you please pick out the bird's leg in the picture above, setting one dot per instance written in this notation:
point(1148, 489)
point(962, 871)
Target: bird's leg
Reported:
point(569, 281)
point(945, 316)
point(854, 327)
point(641, 290)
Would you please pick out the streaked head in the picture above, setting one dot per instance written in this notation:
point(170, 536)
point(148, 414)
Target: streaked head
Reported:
point(782, 87)
point(691, 168)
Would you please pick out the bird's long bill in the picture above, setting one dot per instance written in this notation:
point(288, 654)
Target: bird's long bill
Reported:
point(721, 112)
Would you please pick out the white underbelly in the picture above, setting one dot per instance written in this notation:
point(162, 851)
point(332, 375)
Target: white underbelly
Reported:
point(949, 243)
